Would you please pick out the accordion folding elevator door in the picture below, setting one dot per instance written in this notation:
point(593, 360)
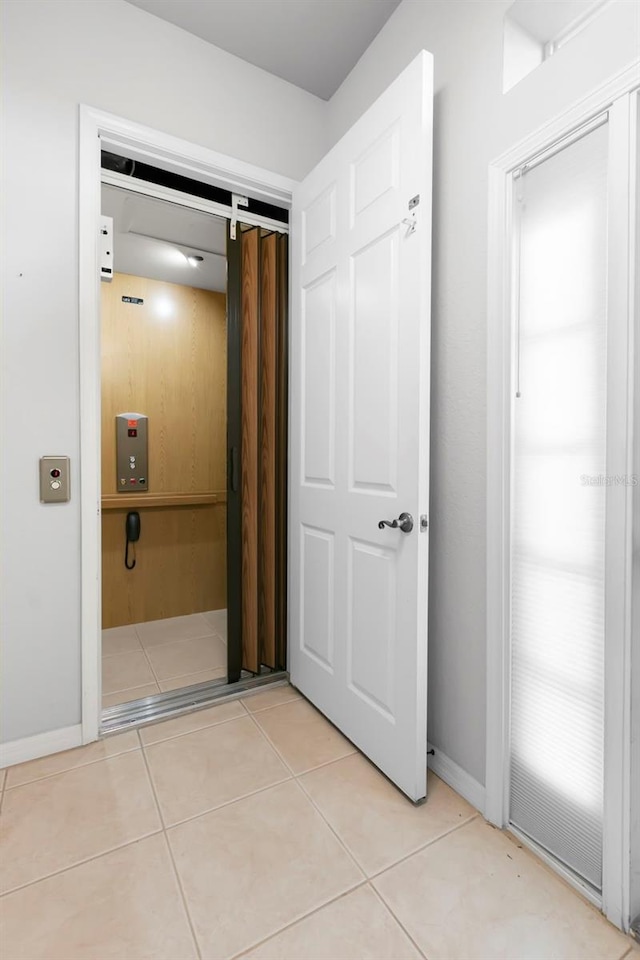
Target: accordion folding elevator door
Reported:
point(258, 446)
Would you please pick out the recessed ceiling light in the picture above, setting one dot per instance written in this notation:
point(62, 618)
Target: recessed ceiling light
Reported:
point(194, 259)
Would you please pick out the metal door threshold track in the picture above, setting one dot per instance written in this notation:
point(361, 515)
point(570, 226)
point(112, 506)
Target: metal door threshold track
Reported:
point(138, 713)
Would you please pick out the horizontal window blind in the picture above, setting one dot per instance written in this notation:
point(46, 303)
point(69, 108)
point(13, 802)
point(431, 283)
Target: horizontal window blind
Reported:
point(558, 504)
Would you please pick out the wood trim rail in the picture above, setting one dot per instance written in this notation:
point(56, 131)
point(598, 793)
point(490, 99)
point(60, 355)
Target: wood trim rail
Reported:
point(136, 500)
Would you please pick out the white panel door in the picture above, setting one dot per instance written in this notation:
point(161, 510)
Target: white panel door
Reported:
point(360, 338)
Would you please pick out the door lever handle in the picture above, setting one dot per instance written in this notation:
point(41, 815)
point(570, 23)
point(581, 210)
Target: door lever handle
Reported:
point(404, 522)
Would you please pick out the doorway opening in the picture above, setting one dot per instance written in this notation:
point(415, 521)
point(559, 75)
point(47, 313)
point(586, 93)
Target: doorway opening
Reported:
point(193, 446)
point(358, 459)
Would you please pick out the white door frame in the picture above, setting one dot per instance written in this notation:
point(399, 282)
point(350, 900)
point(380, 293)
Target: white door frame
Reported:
point(617, 97)
point(99, 130)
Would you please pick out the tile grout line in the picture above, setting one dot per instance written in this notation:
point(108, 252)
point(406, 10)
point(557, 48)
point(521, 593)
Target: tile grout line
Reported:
point(397, 919)
point(291, 777)
point(200, 636)
point(227, 803)
point(80, 863)
point(203, 636)
point(79, 766)
point(209, 633)
point(341, 896)
point(170, 853)
point(327, 763)
point(148, 664)
point(164, 827)
point(429, 843)
point(97, 856)
point(153, 673)
point(177, 736)
point(274, 706)
point(124, 689)
point(120, 653)
point(142, 647)
point(187, 676)
point(183, 675)
point(367, 881)
point(212, 633)
point(374, 876)
point(298, 777)
point(302, 773)
point(120, 703)
point(301, 787)
point(292, 923)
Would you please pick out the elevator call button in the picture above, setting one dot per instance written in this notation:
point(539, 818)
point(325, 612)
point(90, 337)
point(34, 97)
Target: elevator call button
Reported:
point(54, 479)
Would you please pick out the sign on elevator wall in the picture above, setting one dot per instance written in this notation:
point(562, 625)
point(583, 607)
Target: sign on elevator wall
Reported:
point(132, 300)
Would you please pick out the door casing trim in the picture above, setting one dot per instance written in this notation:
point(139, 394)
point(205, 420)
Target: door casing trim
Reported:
point(100, 129)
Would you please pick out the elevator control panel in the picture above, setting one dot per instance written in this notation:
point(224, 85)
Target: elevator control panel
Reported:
point(132, 457)
point(54, 479)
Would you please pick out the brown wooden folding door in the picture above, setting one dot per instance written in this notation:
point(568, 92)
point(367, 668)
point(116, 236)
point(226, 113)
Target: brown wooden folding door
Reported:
point(263, 364)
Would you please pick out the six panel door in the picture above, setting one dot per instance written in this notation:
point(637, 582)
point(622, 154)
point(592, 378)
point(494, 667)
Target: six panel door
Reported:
point(360, 336)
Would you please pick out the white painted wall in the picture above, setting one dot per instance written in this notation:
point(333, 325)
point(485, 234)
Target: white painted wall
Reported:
point(474, 122)
point(118, 58)
point(109, 54)
point(522, 53)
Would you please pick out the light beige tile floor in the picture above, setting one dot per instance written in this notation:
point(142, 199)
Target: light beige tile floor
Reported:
point(267, 862)
point(144, 659)
point(303, 737)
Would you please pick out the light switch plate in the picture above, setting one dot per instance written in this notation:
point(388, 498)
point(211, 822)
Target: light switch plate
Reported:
point(54, 479)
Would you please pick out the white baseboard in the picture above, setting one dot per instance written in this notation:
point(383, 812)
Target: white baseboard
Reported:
point(30, 748)
point(457, 778)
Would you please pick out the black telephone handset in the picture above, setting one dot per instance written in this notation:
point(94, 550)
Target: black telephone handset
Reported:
point(132, 532)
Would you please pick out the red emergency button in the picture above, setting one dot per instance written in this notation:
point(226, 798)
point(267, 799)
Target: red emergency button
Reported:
point(55, 472)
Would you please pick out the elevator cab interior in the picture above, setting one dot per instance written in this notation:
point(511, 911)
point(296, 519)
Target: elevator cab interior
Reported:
point(193, 454)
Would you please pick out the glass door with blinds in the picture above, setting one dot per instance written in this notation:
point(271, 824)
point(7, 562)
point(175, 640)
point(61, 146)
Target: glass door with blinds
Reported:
point(558, 500)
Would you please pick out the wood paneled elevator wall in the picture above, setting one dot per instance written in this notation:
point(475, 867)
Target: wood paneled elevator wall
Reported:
point(166, 358)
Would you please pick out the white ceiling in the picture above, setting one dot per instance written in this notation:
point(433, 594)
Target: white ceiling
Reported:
point(152, 238)
point(311, 43)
